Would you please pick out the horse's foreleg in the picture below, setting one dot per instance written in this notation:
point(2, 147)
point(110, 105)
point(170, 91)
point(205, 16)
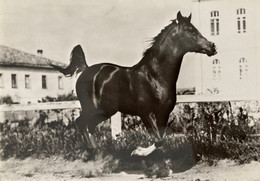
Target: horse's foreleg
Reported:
point(152, 128)
point(162, 121)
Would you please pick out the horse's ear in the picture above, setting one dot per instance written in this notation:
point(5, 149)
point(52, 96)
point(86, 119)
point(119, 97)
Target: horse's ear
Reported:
point(189, 18)
point(179, 16)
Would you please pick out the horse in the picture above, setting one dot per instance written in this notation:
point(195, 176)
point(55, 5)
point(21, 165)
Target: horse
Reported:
point(147, 89)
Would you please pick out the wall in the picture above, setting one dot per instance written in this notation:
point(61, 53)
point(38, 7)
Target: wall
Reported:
point(35, 92)
point(231, 47)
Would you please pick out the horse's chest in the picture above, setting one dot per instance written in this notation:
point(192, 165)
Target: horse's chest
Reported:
point(160, 90)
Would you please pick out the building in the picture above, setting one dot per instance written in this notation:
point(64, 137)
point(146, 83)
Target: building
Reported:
point(28, 78)
point(234, 26)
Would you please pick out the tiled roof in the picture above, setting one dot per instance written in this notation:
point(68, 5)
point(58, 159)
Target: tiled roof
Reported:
point(13, 57)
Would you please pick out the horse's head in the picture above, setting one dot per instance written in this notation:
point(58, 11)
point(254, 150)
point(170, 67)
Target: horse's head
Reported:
point(191, 38)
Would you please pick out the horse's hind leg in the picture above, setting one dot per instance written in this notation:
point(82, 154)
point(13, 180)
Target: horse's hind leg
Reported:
point(87, 123)
point(81, 122)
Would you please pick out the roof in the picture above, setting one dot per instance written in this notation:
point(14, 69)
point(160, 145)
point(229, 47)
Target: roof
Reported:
point(14, 57)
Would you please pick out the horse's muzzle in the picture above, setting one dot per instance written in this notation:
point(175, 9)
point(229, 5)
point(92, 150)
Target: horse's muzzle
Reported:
point(212, 50)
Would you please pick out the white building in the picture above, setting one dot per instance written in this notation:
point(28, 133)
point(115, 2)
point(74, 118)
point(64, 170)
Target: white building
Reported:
point(28, 78)
point(234, 25)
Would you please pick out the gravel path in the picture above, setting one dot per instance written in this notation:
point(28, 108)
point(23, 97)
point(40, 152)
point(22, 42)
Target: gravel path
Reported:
point(58, 169)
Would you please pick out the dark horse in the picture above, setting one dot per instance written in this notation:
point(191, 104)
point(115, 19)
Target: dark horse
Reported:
point(147, 89)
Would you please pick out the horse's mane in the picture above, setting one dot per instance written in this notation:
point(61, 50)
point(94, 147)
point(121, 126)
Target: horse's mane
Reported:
point(156, 42)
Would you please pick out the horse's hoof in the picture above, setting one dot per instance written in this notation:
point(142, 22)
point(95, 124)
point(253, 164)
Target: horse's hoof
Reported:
point(86, 156)
point(140, 151)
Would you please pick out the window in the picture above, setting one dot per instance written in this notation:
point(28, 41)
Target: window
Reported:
point(44, 82)
point(241, 20)
point(60, 82)
point(243, 68)
point(1, 80)
point(216, 69)
point(214, 22)
point(27, 81)
point(14, 81)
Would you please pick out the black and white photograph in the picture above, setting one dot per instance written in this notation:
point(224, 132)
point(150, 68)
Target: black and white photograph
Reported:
point(129, 90)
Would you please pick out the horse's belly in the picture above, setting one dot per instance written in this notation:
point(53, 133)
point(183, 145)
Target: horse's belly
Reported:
point(127, 106)
point(118, 100)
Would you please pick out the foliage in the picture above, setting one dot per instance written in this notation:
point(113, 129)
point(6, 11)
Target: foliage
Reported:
point(6, 100)
point(206, 131)
point(62, 97)
point(216, 132)
point(40, 141)
point(67, 97)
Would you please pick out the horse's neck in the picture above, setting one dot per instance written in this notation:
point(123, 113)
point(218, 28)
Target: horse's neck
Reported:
point(170, 63)
point(165, 65)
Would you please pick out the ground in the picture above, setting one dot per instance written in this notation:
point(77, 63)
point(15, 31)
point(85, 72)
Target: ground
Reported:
point(58, 169)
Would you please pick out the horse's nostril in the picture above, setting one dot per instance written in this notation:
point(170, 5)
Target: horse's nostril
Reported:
point(214, 46)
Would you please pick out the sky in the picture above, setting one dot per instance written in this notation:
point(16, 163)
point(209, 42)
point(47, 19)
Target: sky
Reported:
point(116, 31)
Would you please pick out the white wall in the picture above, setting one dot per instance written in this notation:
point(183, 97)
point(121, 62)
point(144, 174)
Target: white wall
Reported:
point(35, 92)
point(231, 46)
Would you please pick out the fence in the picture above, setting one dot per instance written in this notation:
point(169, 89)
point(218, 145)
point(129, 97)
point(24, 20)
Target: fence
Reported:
point(116, 119)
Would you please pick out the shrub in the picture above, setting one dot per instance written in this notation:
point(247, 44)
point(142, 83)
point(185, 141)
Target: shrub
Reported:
point(62, 97)
point(215, 132)
point(199, 138)
point(6, 100)
point(67, 97)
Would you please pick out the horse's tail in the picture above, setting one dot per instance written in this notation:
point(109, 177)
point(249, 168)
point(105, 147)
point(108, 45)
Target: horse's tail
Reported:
point(77, 62)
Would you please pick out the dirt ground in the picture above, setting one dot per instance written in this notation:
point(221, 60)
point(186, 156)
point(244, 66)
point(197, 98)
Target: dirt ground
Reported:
point(58, 169)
